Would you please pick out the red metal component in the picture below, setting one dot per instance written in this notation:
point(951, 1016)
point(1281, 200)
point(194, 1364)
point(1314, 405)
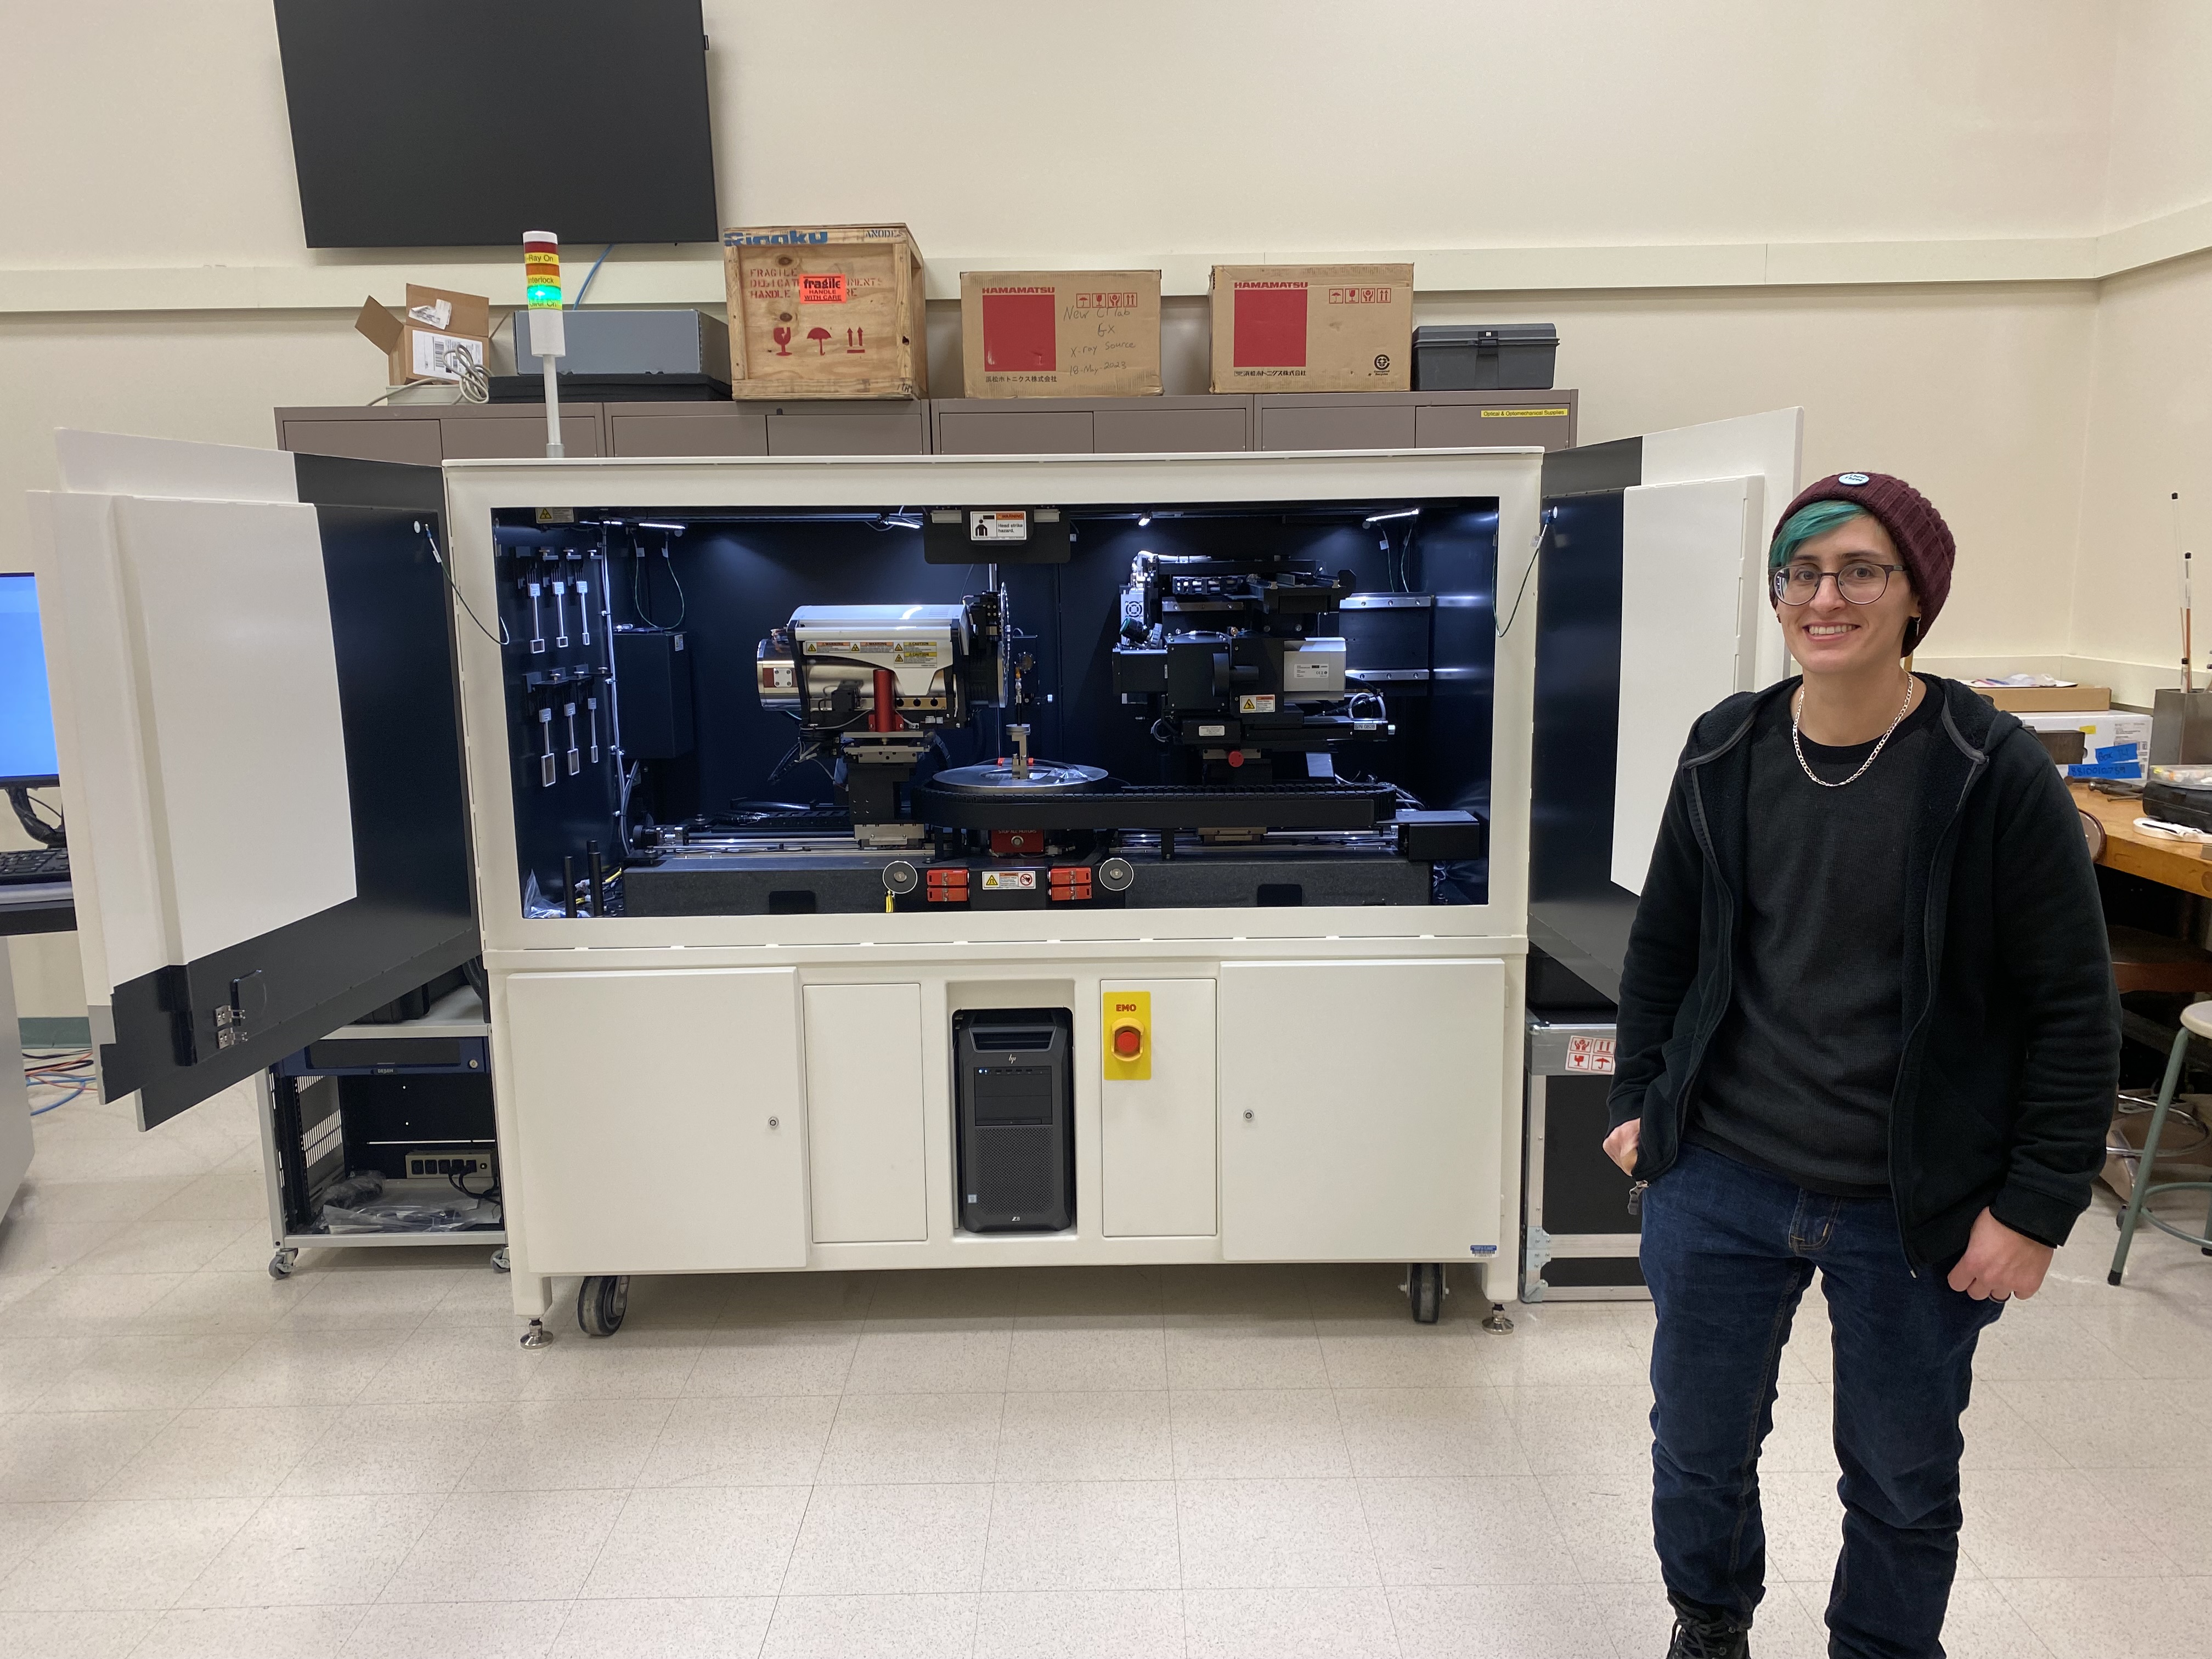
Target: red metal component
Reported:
point(1009, 843)
point(884, 716)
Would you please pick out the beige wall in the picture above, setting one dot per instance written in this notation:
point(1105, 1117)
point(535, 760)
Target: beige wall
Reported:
point(2149, 436)
point(156, 133)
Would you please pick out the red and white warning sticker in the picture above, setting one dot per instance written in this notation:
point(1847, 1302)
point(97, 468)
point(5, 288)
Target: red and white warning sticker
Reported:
point(1024, 881)
point(1589, 1053)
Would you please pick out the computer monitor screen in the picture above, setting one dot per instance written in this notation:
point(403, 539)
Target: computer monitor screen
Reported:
point(26, 713)
point(425, 124)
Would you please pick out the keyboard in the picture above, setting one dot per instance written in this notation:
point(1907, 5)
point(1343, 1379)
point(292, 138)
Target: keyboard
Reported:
point(37, 864)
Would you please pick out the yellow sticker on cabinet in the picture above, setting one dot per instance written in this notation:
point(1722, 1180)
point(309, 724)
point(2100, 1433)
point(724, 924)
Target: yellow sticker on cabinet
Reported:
point(1126, 1035)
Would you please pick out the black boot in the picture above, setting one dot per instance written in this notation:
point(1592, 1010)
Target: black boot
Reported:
point(1701, 1638)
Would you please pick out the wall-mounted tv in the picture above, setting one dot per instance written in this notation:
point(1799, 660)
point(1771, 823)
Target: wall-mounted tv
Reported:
point(464, 123)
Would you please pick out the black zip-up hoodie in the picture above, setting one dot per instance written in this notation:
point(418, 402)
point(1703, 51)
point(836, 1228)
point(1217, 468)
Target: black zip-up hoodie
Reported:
point(2012, 1026)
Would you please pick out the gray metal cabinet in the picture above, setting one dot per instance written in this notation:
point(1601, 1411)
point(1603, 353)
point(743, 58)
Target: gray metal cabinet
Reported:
point(1087, 426)
point(1414, 420)
point(853, 428)
point(498, 432)
point(685, 429)
point(426, 434)
point(355, 434)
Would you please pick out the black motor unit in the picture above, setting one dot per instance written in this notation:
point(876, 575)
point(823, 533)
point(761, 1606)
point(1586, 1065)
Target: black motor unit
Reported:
point(1016, 1103)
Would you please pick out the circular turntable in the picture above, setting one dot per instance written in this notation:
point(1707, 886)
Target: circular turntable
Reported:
point(996, 778)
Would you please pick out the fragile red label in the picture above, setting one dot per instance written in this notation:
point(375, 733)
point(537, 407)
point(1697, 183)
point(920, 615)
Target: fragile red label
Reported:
point(1587, 1054)
point(1018, 331)
point(1361, 297)
point(1106, 301)
point(1270, 328)
point(826, 288)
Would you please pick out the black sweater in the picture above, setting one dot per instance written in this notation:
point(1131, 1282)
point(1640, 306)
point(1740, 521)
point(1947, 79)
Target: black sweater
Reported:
point(2011, 1026)
point(1798, 1080)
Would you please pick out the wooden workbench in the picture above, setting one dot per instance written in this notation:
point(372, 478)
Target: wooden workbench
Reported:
point(2172, 863)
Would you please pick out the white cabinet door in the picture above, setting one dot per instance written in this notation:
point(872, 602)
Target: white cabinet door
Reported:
point(1692, 597)
point(864, 1113)
point(1158, 1137)
point(657, 1120)
point(1361, 1109)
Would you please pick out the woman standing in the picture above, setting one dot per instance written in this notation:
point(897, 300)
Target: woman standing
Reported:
point(1867, 1025)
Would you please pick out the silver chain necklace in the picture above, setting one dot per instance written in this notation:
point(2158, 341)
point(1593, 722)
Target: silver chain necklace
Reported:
point(1797, 737)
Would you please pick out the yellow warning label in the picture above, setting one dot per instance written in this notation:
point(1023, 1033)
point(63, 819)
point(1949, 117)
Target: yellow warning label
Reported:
point(1525, 414)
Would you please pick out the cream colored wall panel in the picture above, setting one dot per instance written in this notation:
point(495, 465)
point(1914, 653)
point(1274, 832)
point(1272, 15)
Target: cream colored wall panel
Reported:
point(2149, 436)
point(865, 1135)
point(658, 1119)
point(1361, 1109)
point(1158, 1137)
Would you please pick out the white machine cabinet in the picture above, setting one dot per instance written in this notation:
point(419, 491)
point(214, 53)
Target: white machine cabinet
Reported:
point(1324, 1072)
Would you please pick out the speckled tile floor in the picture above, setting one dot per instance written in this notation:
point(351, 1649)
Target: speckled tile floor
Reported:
point(196, 1459)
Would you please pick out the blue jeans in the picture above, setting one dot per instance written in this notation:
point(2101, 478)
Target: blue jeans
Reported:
point(1727, 1252)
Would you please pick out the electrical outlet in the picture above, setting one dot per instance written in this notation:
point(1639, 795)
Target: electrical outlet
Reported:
point(434, 1164)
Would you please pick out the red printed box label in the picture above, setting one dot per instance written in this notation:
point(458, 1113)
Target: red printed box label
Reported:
point(822, 288)
point(1362, 296)
point(1103, 302)
point(1589, 1053)
point(1018, 336)
point(1268, 330)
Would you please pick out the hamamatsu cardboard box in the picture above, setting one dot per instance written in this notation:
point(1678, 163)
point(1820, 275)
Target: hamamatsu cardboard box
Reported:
point(439, 330)
point(1060, 333)
point(1313, 328)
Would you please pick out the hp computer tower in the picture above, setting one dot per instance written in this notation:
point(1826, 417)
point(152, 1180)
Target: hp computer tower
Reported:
point(1016, 1095)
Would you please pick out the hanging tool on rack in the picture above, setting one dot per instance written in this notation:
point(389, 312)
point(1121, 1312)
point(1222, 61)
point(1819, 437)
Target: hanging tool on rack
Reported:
point(591, 707)
point(537, 627)
point(575, 755)
point(546, 767)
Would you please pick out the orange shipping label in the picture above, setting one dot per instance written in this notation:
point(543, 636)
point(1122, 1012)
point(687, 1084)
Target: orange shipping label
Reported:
point(824, 288)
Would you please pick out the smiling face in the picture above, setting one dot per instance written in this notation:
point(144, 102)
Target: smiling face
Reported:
point(1829, 634)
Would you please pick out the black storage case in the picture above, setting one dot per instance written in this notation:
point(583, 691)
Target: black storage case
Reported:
point(1015, 1094)
point(1470, 357)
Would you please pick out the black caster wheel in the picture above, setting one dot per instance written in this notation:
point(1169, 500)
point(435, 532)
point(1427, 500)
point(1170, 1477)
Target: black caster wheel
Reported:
point(281, 1263)
point(600, 1304)
point(1424, 1292)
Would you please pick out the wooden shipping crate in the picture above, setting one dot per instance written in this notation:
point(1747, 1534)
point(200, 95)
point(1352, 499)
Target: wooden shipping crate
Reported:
point(833, 311)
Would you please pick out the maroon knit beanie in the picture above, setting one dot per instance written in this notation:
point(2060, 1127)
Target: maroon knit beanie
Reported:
point(1923, 539)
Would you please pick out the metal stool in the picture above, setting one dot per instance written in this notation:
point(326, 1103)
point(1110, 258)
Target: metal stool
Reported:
point(2143, 961)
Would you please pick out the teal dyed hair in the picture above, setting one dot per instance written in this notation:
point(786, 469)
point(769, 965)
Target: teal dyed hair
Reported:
point(1807, 522)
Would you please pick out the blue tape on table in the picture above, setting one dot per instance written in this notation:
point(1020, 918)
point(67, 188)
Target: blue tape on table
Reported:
point(2107, 770)
point(2119, 751)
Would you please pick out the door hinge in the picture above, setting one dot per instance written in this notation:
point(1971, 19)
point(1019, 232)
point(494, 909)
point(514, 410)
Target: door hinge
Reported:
point(1536, 1253)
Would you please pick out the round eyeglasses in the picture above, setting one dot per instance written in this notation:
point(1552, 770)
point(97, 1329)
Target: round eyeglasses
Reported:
point(1860, 582)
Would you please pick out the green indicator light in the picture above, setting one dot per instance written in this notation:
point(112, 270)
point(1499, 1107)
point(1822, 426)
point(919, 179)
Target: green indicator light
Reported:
point(544, 295)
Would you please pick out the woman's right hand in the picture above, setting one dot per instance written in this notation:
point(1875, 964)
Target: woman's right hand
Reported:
point(1620, 1144)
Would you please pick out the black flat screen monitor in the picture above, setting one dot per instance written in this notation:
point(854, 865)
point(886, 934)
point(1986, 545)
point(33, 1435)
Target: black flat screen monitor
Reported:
point(26, 713)
point(464, 123)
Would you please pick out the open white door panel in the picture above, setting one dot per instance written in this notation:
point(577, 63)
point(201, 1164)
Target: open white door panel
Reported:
point(1691, 605)
point(201, 624)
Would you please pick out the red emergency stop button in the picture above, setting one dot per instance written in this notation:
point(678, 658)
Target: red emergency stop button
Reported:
point(1128, 1042)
